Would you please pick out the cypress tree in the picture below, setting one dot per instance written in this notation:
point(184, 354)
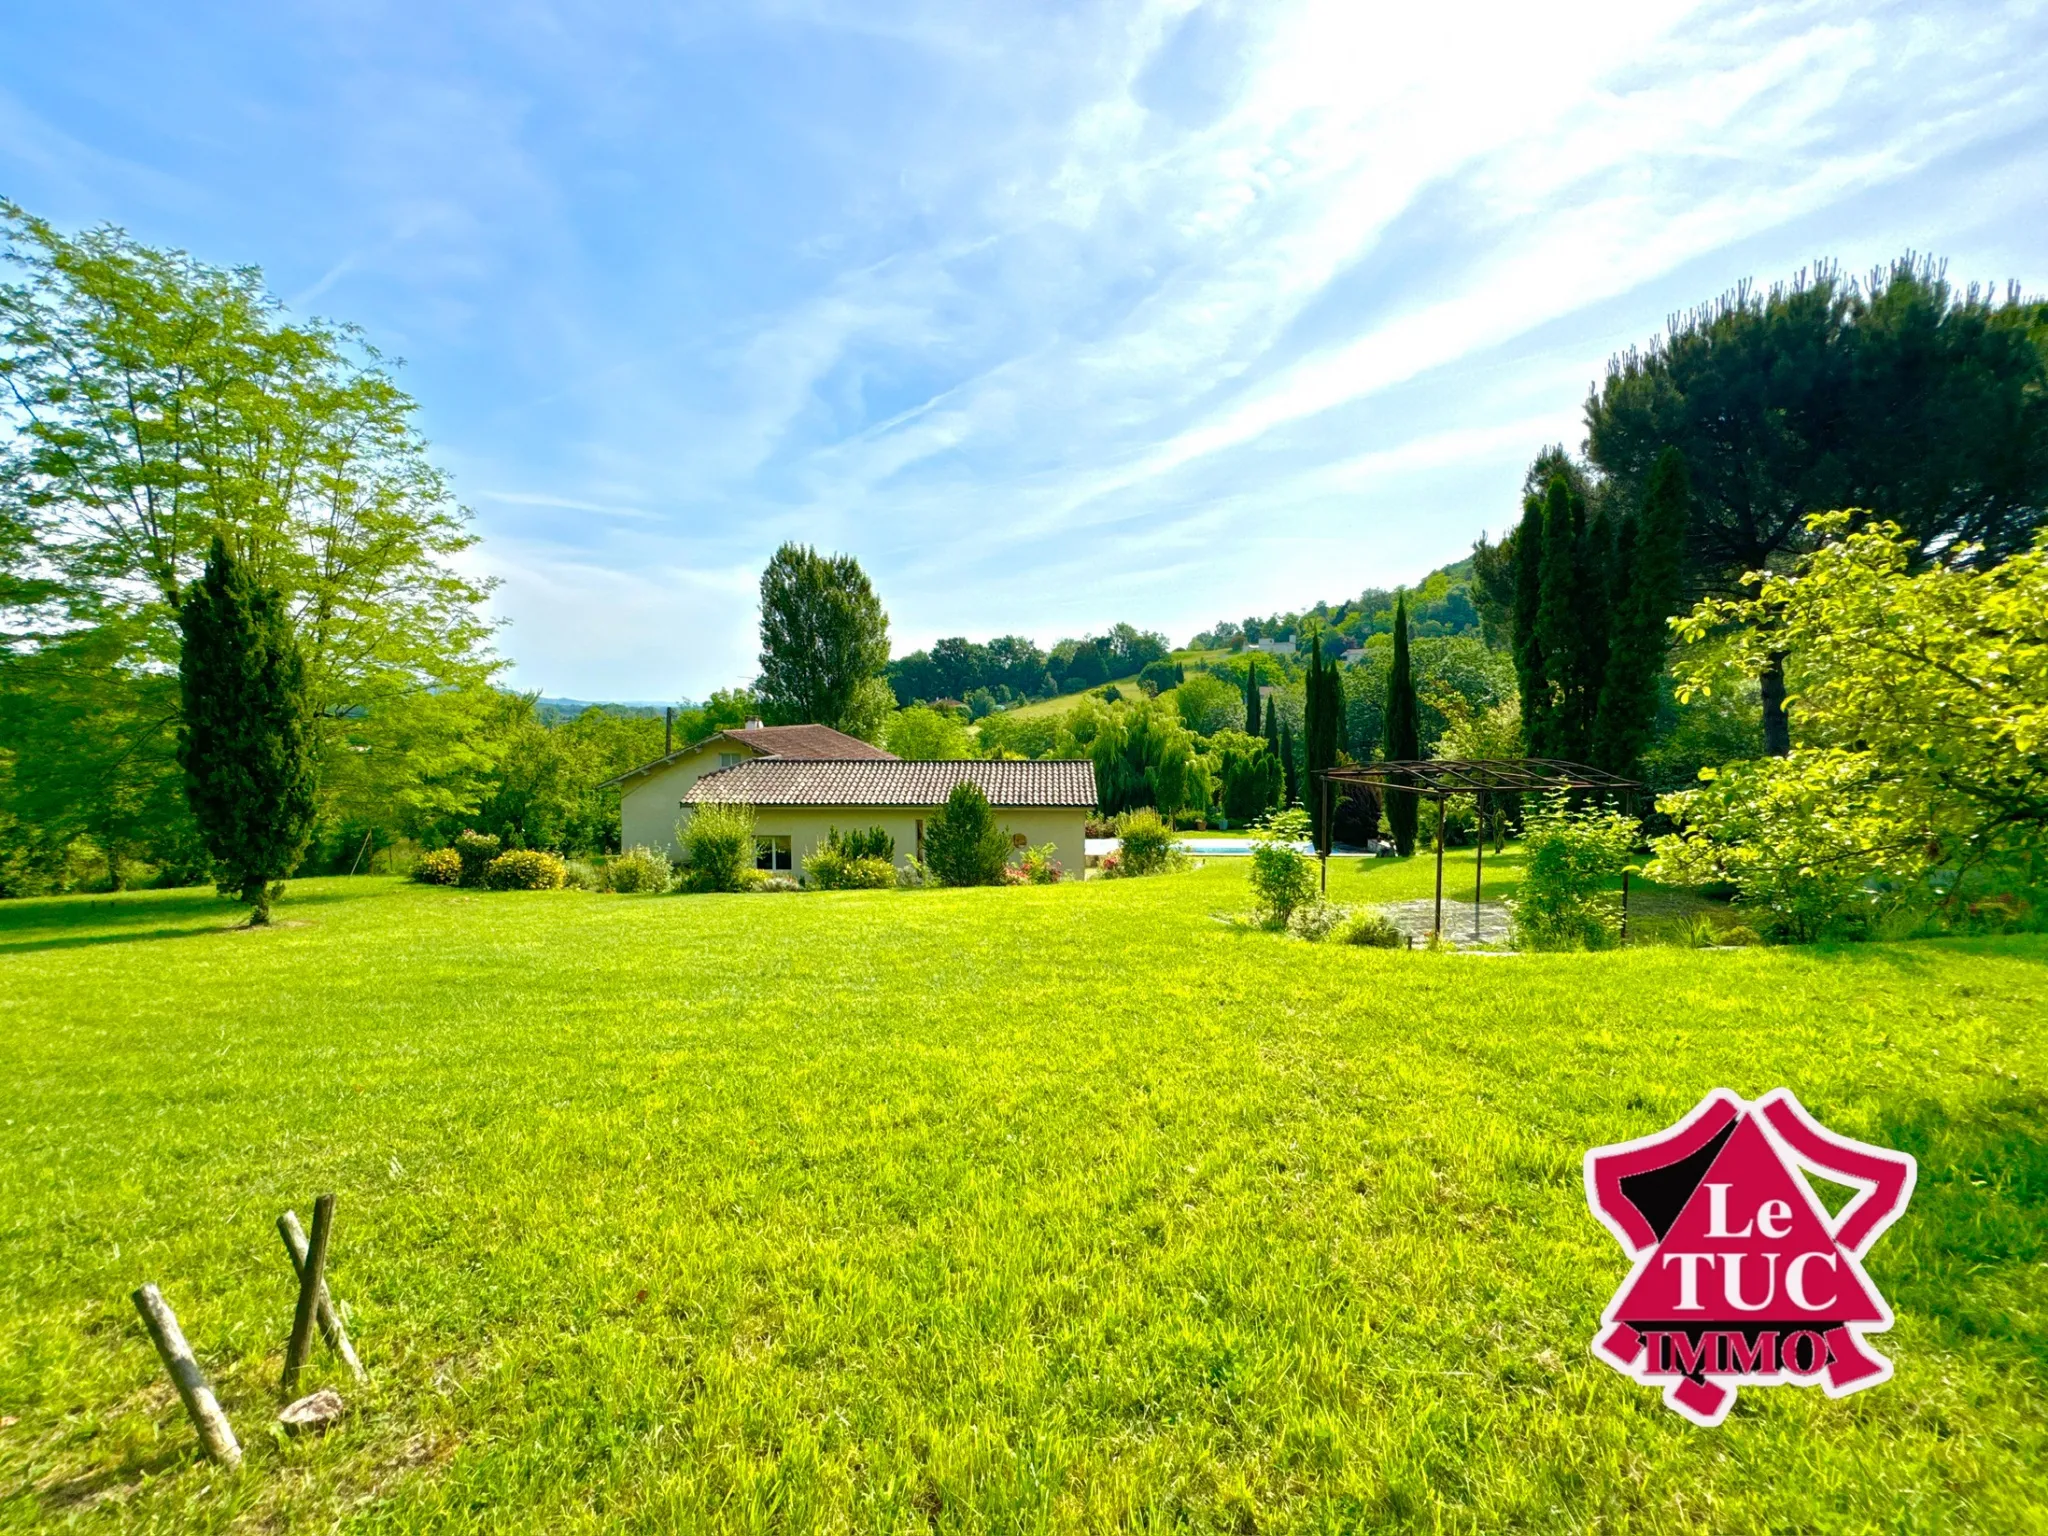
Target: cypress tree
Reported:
point(1532, 681)
point(1279, 781)
point(1648, 565)
point(1404, 731)
point(245, 735)
point(1251, 697)
point(1290, 771)
point(1556, 732)
point(1322, 732)
point(1594, 560)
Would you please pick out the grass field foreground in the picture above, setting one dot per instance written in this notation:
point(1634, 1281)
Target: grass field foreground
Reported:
point(1044, 1208)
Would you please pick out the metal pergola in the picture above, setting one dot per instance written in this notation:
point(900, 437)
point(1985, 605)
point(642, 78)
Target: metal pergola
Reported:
point(1440, 778)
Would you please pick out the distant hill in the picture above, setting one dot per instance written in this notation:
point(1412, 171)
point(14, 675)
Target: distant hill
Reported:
point(1442, 603)
point(553, 711)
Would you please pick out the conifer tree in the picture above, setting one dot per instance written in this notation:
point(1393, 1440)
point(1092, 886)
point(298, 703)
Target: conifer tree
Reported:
point(1322, 731)
point(245, 738)
point(1290, 770)
point(1647, 592)
point(1530, 674)
point(1251, 697)
point(1404, 731)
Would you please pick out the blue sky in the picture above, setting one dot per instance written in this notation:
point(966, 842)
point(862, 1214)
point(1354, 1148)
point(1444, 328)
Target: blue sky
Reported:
point(1053, 316)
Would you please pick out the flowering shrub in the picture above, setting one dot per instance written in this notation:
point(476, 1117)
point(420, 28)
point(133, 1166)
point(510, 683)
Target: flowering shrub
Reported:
point(1111, 867)
point(476, 850)
point(1041, 865)
point(525, 869)
point(441, 867)
point(773, 884)
point(581, 875)
point(637, 870)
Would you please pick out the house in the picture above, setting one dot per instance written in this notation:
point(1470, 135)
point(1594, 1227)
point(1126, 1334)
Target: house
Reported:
point(797, 801)
point(1274, 647)
point(650, 797)
point(804, 780)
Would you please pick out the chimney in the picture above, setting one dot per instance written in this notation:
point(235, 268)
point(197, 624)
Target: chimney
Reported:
point(754, 724)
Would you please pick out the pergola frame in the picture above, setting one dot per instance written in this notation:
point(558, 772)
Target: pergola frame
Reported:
point(1440, 778)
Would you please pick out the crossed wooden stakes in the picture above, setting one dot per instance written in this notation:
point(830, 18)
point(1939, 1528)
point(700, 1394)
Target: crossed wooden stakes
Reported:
point(309, 1263)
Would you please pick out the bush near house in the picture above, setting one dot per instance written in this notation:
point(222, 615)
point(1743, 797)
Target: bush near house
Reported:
point(718, 845)
point(962, 843)
point(525, 869)
point(638, 870)
point(1147, 842)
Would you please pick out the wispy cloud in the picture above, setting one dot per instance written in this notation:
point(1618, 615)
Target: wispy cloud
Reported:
point(1148, 311)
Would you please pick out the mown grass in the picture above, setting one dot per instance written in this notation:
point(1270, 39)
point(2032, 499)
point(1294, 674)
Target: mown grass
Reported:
point(984, 1210)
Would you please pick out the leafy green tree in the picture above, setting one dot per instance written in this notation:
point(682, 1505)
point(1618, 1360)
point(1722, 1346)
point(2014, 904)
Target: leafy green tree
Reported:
point(1921, 742)
point(1925, 404)
point(1161, 676)
point(244, 740)
point(922, 735)
point(1248, 776)
point(1207, 704)
point(150, 401)
point(823, 634)
point(1648, 573)
point(1404, 734)
point(962, 843)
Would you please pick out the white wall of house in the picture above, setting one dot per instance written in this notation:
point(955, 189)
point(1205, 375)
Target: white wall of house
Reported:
point(649, 806)
point(806, 827)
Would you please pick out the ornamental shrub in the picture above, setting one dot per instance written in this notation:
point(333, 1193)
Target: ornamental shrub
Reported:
point(1316, 920)
point(1563, 902)
point(441, 867)
point(1148, 844)
point(581, 875)
point(524, 869)
point(1282, 876)
point(829, 869)
point(718, 844)
point(476, 850)
point(1372, 930)
point(911, 875)
point(1041, 865)
point(875, 843)
point(638, 870)
point(962, 843)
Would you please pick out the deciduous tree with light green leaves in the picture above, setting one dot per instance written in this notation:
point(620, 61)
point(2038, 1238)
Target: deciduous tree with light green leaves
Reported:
point(148, 400)
point(1918, 704)
point(823, 635)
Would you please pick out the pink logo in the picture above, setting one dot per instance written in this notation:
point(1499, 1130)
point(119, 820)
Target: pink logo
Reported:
point(1741, 1277)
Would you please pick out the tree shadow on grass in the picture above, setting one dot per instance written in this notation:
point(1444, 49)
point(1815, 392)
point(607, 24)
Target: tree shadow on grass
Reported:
point(141, 917)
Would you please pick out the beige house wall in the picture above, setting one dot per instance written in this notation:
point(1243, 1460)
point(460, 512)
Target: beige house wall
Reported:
point(806, 827)
point(648, 807)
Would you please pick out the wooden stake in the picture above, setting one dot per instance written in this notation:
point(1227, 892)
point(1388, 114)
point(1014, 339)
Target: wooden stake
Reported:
point(327, 1314)
point(312, 1275)
point(200, 1403)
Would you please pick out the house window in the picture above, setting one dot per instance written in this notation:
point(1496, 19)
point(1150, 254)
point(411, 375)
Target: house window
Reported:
point(772, 853)
point(728, 759)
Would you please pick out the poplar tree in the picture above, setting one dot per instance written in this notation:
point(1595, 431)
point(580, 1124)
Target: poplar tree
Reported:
point(1404, 731)
point(1251, 697)
point(245, 742)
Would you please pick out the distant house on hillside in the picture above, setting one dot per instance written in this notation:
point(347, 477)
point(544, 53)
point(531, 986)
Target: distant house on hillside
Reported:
point(804, 780)
point(1273, 647)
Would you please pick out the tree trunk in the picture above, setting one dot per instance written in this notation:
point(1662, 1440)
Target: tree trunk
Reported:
point(1777, 726)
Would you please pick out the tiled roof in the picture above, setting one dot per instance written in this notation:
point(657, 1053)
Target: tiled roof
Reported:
point(803, 742)
point(814, 742)
point(781, 781)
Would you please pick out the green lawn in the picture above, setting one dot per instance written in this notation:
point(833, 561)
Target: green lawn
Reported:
point(1064, 1207)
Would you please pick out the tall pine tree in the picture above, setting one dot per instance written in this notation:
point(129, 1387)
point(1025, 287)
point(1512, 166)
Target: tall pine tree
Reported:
point(245, 740)
point(1649, 570)
point(1289, 768)
point(1251, 697)
point(1404, 731)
